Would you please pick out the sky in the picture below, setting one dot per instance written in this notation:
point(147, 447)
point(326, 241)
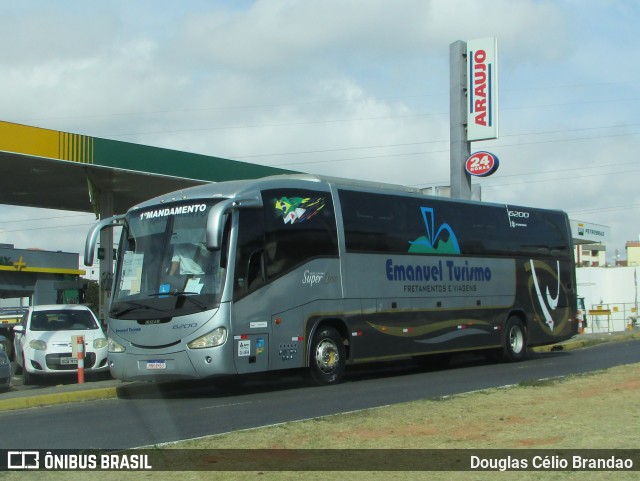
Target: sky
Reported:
point(346, 88)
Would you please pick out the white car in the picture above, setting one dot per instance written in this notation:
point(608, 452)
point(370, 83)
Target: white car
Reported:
point(43, 341)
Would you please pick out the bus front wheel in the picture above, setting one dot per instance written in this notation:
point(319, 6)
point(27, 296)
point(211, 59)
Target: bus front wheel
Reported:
point(515, 340)
point(328, 356)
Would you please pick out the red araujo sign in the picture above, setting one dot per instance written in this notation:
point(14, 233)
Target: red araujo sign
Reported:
point(482, 89)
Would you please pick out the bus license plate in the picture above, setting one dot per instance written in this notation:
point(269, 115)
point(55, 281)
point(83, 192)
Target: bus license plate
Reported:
point(65, 361)
point(155, 365)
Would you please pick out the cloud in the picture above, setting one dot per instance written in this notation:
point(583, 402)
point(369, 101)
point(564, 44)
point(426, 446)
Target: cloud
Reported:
point(340, 87)
point(284, 36)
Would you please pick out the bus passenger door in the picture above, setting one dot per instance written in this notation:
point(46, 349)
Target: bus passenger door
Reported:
point(250, 322)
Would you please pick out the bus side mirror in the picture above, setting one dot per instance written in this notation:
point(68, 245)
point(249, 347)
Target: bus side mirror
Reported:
point(92, 236)
point(218, 215)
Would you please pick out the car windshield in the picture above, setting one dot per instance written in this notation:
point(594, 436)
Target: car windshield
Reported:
point(62, 320)
point(164, 268)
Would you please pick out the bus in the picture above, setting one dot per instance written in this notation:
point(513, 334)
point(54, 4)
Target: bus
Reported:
point(303, 271)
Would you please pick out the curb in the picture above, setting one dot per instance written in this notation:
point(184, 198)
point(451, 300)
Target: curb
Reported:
point(57, 398)
point(586, 342)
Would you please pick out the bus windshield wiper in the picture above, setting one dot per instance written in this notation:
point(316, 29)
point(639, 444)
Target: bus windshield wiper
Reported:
point(173, 294)
point(132, 307)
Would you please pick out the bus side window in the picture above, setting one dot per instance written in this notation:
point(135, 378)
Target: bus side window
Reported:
point(249, 269)
point(299, 225)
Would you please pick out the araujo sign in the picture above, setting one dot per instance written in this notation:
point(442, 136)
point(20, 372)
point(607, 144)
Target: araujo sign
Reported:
point(482, 89)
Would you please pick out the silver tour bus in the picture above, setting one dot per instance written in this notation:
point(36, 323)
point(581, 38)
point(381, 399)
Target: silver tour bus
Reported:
point(310, 272)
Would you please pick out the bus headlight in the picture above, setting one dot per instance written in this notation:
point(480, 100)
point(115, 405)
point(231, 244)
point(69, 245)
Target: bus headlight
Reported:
point(212, 339)
point(99, 343)
point(113, 346)
point(38, 345)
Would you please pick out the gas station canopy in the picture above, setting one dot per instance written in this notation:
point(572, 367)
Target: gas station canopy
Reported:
point(59, 170)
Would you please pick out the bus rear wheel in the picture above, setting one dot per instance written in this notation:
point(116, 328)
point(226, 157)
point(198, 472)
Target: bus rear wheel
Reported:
point(327, 356)
point(515, 340)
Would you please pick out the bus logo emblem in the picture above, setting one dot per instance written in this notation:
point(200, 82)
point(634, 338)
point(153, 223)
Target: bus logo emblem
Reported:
point(547, 302)
point(441, 241)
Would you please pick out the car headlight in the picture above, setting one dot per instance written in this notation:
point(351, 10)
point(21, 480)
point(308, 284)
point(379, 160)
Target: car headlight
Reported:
point(113, 346)
point(212, 339)
point(38, 345)
point(99, 343)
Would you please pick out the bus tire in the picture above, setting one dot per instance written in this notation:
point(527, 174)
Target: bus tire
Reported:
point(327, 356)
point(514, 347)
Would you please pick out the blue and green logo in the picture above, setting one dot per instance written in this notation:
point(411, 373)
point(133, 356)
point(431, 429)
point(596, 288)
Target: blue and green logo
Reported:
point(441, 241)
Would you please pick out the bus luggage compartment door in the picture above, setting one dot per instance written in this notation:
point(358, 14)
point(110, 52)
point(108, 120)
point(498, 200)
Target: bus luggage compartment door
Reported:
point(251, 353)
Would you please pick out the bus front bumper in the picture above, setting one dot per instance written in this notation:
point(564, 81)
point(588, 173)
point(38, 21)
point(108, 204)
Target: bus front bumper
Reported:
point(171, 366)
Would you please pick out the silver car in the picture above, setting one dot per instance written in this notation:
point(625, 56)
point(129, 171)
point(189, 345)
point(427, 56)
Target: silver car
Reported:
point(5, 367)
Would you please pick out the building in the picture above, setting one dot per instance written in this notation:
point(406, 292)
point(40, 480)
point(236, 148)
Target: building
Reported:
point(633, 253)
point(590, 255)
point(44, 277)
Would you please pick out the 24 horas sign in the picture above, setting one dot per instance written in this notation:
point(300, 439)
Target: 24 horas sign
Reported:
point(482, 164)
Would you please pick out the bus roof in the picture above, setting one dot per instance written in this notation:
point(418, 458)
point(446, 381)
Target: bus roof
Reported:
point(239, 188)
point(235, 188)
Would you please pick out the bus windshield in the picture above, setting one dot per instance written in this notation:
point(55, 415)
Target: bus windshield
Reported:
point(164, 269)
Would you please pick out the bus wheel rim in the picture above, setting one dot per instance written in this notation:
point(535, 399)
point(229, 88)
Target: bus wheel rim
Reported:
point(327, 356)
point(516, 340)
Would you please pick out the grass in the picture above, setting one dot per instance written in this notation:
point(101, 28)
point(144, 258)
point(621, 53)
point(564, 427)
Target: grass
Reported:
point(599, 410)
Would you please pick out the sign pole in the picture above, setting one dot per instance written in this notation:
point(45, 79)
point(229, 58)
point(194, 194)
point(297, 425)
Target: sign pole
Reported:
point(635, 282)
point(459, 146)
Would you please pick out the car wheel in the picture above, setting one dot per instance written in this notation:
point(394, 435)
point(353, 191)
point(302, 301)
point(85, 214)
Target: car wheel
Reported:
point(28, 379)
point(17, 368)
point(328, 356)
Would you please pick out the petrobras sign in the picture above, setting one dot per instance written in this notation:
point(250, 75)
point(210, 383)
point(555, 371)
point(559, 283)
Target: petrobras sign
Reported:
point(592, 233)
point(482, 89)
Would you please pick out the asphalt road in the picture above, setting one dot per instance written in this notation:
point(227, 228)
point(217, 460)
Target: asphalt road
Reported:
point(150, 415)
